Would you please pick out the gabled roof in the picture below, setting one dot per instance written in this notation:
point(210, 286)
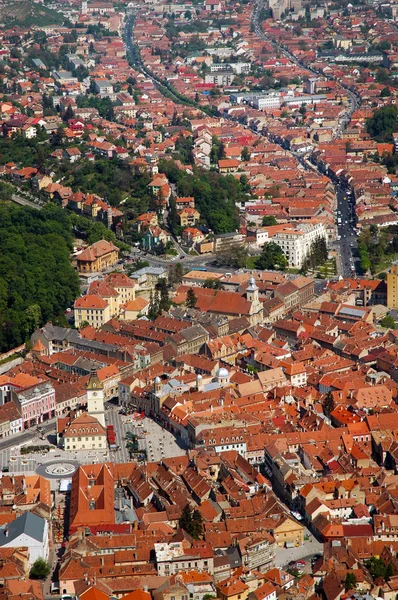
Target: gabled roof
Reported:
point(28, 524)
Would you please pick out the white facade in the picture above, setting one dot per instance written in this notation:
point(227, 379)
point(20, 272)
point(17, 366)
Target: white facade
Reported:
point(95, 400)
point(272, 100)
point(296, 241)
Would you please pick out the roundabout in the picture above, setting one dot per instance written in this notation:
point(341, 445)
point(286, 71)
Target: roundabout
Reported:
point(58, 469)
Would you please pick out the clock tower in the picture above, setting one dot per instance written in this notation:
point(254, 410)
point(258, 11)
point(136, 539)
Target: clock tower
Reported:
point(95, 398)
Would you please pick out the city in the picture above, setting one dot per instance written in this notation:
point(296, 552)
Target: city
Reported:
point(198, 300)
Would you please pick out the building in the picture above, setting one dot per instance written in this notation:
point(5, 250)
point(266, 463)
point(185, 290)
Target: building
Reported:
point(103, 87)
point(85, 433)
point(224, 241)
point(296, 240)
point(35, 404)
point(105, 299)
point(95, 398)
point(92, 498)
point(97, 257)
point(188, 217)
point(92, 310)
point(27, 531)
point(392, 287)
point(173, 557)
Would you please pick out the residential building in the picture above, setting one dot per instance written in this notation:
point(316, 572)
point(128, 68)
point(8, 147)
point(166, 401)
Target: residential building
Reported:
point(97, 257)
point(27, 531)
point(35, 404)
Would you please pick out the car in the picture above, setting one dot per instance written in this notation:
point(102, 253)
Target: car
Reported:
point(301, 563)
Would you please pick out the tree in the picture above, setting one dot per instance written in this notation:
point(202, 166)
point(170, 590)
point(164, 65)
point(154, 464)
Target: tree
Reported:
point(272, 257)
point(40, 569)
point(328, 404)
point(385, 92)
point(378, 569)
point(388, 322)
point(191, 522)
point(176, 273)
point(213, 284)
point(245, 155)
point(191, 299)
point(153, 309)
point(164, 300)
point(37, 281)
point(196, 524)
point(350, 581)
point(185, 518)
point(268, 221)
point(383, 123)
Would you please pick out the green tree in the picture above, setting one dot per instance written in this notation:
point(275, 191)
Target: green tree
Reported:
point(245, 155)
point(176, 273)
point(40, 569)
point(153, 308)
point(272, 257)
point(172, 216)
point(196, 524)
point(164, 300)
point(383, 123)
point(388, 322)
point(191, 522)
point(233, 256)
point(191, 299)
point(37, 280)
point(268, 221)
point(328, 404)
point(214, 284)
point(378, 569)
point(385, 92)
point(350, 582)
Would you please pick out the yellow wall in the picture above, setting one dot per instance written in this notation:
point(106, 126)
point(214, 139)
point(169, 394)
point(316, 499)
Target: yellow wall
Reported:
point(392, 287)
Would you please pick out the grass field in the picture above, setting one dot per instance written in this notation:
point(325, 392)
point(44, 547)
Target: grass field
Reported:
point(26, 14)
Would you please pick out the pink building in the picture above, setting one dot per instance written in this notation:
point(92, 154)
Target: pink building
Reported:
point(36, 404)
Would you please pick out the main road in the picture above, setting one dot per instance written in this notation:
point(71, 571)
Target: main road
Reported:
point(353, 99)
point(346, 235)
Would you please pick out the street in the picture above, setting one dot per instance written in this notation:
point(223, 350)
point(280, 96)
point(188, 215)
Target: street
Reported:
point(347, 239)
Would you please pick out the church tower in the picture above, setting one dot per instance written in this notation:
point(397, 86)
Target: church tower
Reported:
point(95, 398)
point(252, 292)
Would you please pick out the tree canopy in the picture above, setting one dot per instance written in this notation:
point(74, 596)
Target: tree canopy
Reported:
point(37, 280)
point(215, 195)
point(271, 257)
point(382, 124)
point(40, 569)
point(191, 522)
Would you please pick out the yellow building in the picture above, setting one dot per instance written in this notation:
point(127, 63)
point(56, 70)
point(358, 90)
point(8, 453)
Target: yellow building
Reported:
point(188, 216)
point(288, 530)
point(392, 287)
point(105, 299)
point(85, 433)
point(97, 257)
point(92, 309)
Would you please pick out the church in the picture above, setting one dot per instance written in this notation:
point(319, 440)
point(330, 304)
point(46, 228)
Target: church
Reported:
point(230, 304)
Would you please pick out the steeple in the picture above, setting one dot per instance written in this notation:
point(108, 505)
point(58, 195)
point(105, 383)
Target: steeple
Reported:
point(95, 397)
point(252, 291)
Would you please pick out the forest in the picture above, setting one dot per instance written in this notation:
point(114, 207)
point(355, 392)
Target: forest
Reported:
point(37, 280)
point(215, 195)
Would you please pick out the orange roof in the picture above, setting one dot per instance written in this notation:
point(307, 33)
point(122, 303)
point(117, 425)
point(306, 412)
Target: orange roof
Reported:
point(91, 301)
point(94, 593)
